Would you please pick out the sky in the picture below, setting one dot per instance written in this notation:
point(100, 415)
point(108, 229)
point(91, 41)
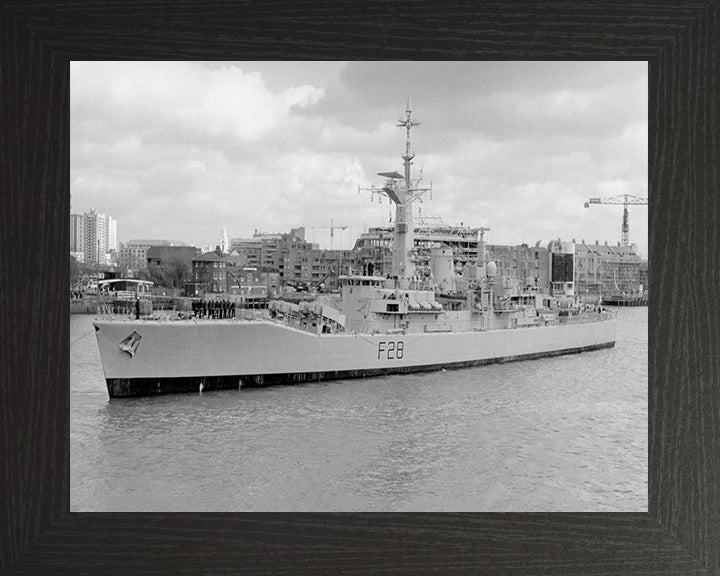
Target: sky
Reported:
point(180, 150)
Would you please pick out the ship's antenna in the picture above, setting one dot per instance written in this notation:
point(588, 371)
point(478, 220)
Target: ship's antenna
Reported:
point(408, 123)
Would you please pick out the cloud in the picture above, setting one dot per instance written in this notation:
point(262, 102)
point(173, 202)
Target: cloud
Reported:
point(181, 149)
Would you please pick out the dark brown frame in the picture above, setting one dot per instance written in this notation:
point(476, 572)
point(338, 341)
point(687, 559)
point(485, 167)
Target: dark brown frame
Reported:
point(681, 532)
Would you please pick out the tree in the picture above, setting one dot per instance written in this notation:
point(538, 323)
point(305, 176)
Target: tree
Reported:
point(177, 271)
point(144, 274)
point(155, 274)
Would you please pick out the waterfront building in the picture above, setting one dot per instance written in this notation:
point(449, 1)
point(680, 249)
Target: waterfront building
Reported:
point(526, 266)
point(604, 269)
point(568, 267)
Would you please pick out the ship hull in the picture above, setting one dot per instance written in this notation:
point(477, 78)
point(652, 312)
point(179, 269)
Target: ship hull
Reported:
point(159, 357)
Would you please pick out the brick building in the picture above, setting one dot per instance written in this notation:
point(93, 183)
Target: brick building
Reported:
point(134, 253)
point(209, 273)
point(606, 269)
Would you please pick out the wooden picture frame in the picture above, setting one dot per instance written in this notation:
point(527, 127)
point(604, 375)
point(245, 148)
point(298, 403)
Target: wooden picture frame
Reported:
point(680, 534)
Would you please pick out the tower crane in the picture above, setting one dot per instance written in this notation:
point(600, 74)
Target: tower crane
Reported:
point(626, 200)
point(332, 228)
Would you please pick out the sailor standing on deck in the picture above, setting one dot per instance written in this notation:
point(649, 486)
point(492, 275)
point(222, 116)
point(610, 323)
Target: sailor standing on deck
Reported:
point(137, 308)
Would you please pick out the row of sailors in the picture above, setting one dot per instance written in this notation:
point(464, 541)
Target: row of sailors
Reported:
point(215, 308)
point(581, 309)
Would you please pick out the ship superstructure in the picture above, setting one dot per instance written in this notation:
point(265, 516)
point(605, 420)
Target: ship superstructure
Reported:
point(419, 315)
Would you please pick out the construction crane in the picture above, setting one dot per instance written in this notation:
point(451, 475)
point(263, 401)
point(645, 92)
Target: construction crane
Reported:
point(626, 200)
point(332, 228)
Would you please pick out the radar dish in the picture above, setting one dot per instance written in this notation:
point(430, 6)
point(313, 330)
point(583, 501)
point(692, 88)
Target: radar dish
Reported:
point(391, 175)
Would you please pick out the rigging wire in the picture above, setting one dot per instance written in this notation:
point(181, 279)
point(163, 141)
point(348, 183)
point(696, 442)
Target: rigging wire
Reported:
point(83, 336)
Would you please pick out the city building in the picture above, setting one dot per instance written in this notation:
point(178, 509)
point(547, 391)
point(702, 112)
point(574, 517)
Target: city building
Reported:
point(607, 269)
point(266, 249)
point(321, 268)
point(77, 236)
point(234, 259)
point(251, 282)
point(527, 266)
point(209, 273)
point(163, 255)
point(570, 268)
point(133, 254)
point(300, 264)
point(95, 237)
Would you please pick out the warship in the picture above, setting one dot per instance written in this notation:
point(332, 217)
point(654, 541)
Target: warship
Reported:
point(420, 316)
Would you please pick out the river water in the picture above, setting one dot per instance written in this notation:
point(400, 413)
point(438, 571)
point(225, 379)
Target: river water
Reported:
point(554, 434)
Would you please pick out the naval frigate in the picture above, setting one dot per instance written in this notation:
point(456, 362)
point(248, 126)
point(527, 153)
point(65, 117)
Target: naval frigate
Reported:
point(415, 318)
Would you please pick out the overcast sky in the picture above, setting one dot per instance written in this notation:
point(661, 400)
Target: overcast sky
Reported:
point(179, 150)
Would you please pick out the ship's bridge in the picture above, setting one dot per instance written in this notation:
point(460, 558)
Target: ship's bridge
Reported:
point(358, 287)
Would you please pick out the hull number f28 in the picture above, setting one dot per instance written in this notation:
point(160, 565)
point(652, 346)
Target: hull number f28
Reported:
point(391, 350)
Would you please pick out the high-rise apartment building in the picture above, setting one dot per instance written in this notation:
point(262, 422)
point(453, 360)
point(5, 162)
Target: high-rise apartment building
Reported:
point(77, 236)
point(92, 236)
point(96, 237)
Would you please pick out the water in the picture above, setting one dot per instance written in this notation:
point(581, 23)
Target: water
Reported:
point(555, 434)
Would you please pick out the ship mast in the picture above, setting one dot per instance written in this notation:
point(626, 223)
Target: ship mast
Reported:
point(399, 189)
point(404, 241)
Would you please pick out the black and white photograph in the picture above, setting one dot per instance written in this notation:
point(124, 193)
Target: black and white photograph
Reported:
point(359, 286)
